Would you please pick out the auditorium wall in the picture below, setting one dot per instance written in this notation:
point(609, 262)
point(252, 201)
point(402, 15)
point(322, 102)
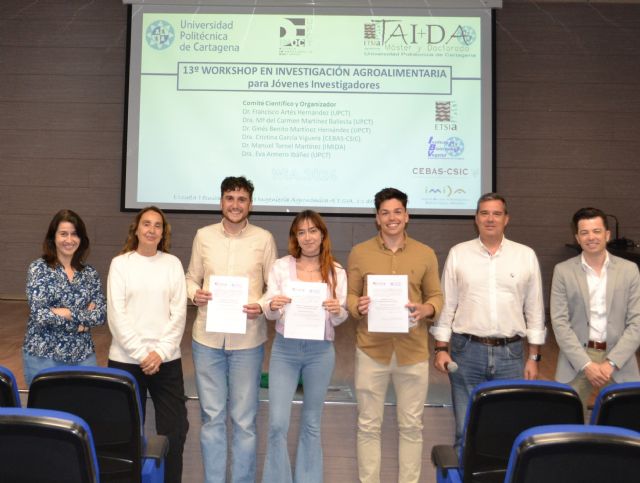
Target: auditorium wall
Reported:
point(567, 129)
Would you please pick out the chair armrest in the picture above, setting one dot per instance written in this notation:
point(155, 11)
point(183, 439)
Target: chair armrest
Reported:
point(157, 447)
point(444, 457)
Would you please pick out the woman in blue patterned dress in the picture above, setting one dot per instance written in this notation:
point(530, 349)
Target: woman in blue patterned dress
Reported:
point(65, 300)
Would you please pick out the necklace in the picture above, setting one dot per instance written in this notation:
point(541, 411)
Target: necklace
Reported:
point(306, 269)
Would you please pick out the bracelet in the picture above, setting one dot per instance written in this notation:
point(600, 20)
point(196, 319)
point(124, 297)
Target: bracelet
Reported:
point(442, 348)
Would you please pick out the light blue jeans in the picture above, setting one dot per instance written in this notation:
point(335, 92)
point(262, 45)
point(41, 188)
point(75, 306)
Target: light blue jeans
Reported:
point(291, 358)
point(232, 375)
point(34, 364)
point(479, 363)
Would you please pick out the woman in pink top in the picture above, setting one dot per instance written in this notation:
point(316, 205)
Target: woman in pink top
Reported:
point(298, 351)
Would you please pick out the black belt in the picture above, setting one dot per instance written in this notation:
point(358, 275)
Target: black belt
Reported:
point(597, 345)
point(492, 341)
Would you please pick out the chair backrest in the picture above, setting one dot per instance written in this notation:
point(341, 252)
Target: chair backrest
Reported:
point(500, 410)
point(45, 446)
point(9, 397)
point(618, 405)
point(584, 453)
point(108, 400)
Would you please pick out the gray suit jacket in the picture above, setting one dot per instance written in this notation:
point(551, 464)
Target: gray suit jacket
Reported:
point(570, 317)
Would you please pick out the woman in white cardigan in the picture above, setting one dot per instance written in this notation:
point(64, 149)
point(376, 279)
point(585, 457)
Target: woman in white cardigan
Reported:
point(146, 310)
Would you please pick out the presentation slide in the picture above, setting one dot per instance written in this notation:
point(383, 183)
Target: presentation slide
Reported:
point(320, 111)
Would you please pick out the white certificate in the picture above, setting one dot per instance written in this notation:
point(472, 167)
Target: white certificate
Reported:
point(225, 309)
point(389, 295)
point(304, 317)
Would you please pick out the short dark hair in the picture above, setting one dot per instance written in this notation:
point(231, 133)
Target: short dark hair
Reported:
point(49, 251)
point(587, 214)
point(390, 194)
point(232, 183)
point(491, 197)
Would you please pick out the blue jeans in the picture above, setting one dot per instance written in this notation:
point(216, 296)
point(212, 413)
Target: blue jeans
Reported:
point(34, 364)
point(479, 363)
point(290, 358)
point(234, 375)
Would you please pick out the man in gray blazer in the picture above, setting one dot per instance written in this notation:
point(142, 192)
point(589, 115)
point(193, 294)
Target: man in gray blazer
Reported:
point(595, 310)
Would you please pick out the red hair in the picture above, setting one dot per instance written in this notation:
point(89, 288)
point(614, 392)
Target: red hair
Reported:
point(327, 262)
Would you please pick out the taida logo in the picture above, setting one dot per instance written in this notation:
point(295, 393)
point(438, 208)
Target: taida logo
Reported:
point(383, 32)
point(466, 35)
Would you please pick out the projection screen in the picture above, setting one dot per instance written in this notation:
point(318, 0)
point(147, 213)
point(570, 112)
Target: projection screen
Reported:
point(320, 107)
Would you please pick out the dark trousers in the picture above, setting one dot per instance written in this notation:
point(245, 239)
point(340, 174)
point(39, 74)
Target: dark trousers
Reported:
point(166, 388)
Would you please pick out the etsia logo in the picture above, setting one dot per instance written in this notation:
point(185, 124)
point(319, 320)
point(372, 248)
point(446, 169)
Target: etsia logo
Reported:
point(160, 35)
point(446, 116)
point(443, 111)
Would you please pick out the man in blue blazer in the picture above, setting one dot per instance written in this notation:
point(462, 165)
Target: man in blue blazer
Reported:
point(595, 310)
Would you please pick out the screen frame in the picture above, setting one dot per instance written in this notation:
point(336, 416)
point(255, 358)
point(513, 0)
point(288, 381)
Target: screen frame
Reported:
point(127, 206)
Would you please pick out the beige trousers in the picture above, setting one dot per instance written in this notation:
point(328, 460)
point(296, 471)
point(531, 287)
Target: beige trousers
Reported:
point(410, 384)
point(581, 384)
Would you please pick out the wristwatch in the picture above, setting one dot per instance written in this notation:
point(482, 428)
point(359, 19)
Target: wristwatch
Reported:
point(535, 357)
point(612, 364)
point(442, 348)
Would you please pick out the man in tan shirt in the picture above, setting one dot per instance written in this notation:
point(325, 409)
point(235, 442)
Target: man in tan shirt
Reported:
point(401, 357)
point(228, 365)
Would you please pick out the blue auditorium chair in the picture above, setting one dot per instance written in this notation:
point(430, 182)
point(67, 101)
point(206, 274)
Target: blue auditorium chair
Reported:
point(108, 399)
point(580, 453)
point(618, 405)
point(498, 411)
point(45, 447)
point(9, 397)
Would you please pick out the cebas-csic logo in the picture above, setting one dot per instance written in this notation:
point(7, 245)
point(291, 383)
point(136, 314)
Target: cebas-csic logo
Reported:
point(160, 35)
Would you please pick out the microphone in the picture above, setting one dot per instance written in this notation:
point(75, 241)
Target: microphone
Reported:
point(451, 367)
